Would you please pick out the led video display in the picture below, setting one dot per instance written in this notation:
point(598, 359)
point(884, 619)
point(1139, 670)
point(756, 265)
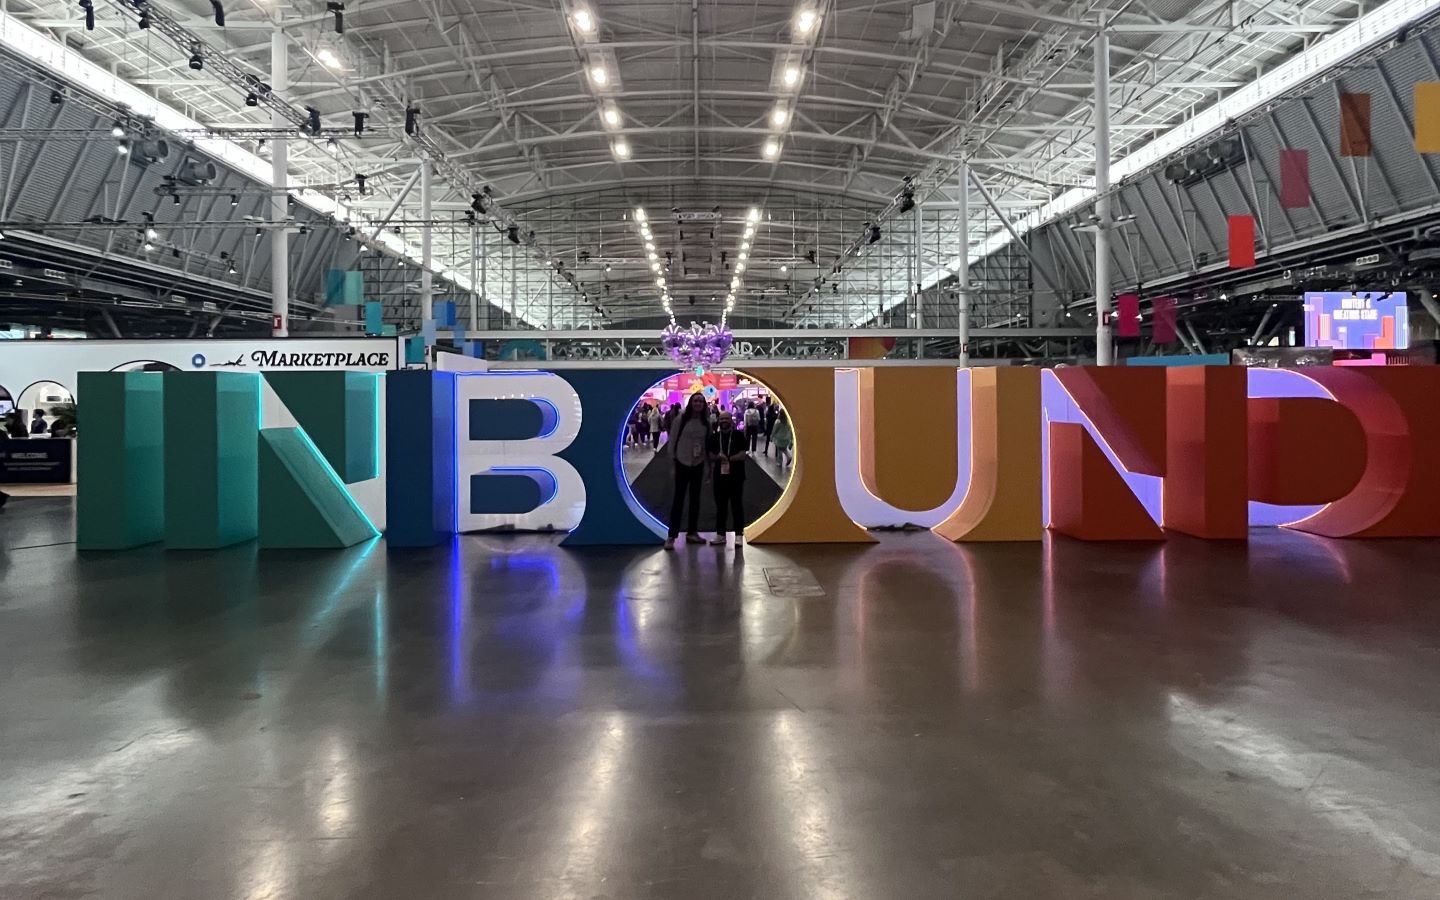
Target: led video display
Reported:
point(1363, 320)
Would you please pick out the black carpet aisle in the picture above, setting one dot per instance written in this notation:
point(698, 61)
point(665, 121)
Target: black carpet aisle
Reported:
point(656, 483)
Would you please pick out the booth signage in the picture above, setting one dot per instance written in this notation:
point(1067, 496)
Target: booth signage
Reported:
point(36, 461)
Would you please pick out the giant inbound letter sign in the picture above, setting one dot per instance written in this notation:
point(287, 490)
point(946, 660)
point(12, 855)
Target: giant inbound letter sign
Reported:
point(994, 454)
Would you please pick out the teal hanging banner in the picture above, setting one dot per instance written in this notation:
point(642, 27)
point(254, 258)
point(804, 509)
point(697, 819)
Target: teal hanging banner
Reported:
point(344, 288)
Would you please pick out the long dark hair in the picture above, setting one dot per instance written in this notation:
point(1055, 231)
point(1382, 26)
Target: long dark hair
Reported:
point(689, 409)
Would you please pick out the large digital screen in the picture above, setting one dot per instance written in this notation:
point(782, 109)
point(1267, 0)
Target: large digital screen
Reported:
point(1363, 320)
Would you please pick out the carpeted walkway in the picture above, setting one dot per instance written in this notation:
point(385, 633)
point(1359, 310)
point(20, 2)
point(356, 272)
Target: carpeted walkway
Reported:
point(654, 487)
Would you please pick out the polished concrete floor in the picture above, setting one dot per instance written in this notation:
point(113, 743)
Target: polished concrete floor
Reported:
point(501, 718)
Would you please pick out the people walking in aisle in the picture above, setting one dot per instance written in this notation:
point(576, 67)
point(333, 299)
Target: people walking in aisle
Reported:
point(688, 438)
point(653, 420)
point(784, 440)
point(753, 426)
point(772, 408)
point(727, 460)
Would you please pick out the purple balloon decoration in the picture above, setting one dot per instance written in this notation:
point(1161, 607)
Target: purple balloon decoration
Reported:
point(698, 345)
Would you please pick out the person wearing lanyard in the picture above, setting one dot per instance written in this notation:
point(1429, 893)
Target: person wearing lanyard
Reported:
point(727, 456)
point(687, 447)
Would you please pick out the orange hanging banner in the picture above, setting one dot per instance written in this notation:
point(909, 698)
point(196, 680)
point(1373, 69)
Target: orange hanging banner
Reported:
point(1427, 117)
point(1354, 124)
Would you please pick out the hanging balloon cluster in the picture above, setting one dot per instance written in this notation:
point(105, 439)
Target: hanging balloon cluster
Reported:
point(698, 346)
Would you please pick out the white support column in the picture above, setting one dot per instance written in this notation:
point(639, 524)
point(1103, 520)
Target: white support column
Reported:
point(280, 198)
point(475, 239)
point(427, 282)
point(962, 272)
point(1104, 348)
point(916, 255)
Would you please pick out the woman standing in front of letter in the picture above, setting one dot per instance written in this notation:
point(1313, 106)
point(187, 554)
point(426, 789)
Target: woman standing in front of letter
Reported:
point(687, 445)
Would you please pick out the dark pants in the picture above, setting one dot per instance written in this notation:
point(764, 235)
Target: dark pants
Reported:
point(687, 481)
point(655, 439)
point(729, 493)
point(768, 430)
point(754, 435)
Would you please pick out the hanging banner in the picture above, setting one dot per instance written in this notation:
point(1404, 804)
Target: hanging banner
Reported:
point(1294, 179)
point(1427, 117)
point(1242, 242)
point(1354, 124)
point(1127, 315)
point(1163, 330)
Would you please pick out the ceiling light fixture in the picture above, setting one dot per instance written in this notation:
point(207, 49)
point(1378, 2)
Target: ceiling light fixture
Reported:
point(327, 58)
point(599, 75)
point(612, 117)
point(754, 215)
point(805, 22)
point(778, 116)
point(622, 149)
point(583, 19)
point(784, 268)
point(792, 76)
point(771, 149)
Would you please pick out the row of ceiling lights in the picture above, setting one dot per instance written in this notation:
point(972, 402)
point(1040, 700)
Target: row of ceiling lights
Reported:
point(647, 237)
point(752, 221)
point(806, 24)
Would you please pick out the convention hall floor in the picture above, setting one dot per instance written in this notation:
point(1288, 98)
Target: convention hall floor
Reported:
point(502, 718)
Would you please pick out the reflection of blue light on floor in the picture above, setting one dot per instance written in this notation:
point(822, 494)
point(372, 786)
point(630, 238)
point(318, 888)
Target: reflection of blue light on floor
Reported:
point(529, 562)
point(458, 644)
point(627, 643)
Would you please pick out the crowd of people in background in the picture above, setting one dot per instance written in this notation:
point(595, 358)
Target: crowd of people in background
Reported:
point(760, 419)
